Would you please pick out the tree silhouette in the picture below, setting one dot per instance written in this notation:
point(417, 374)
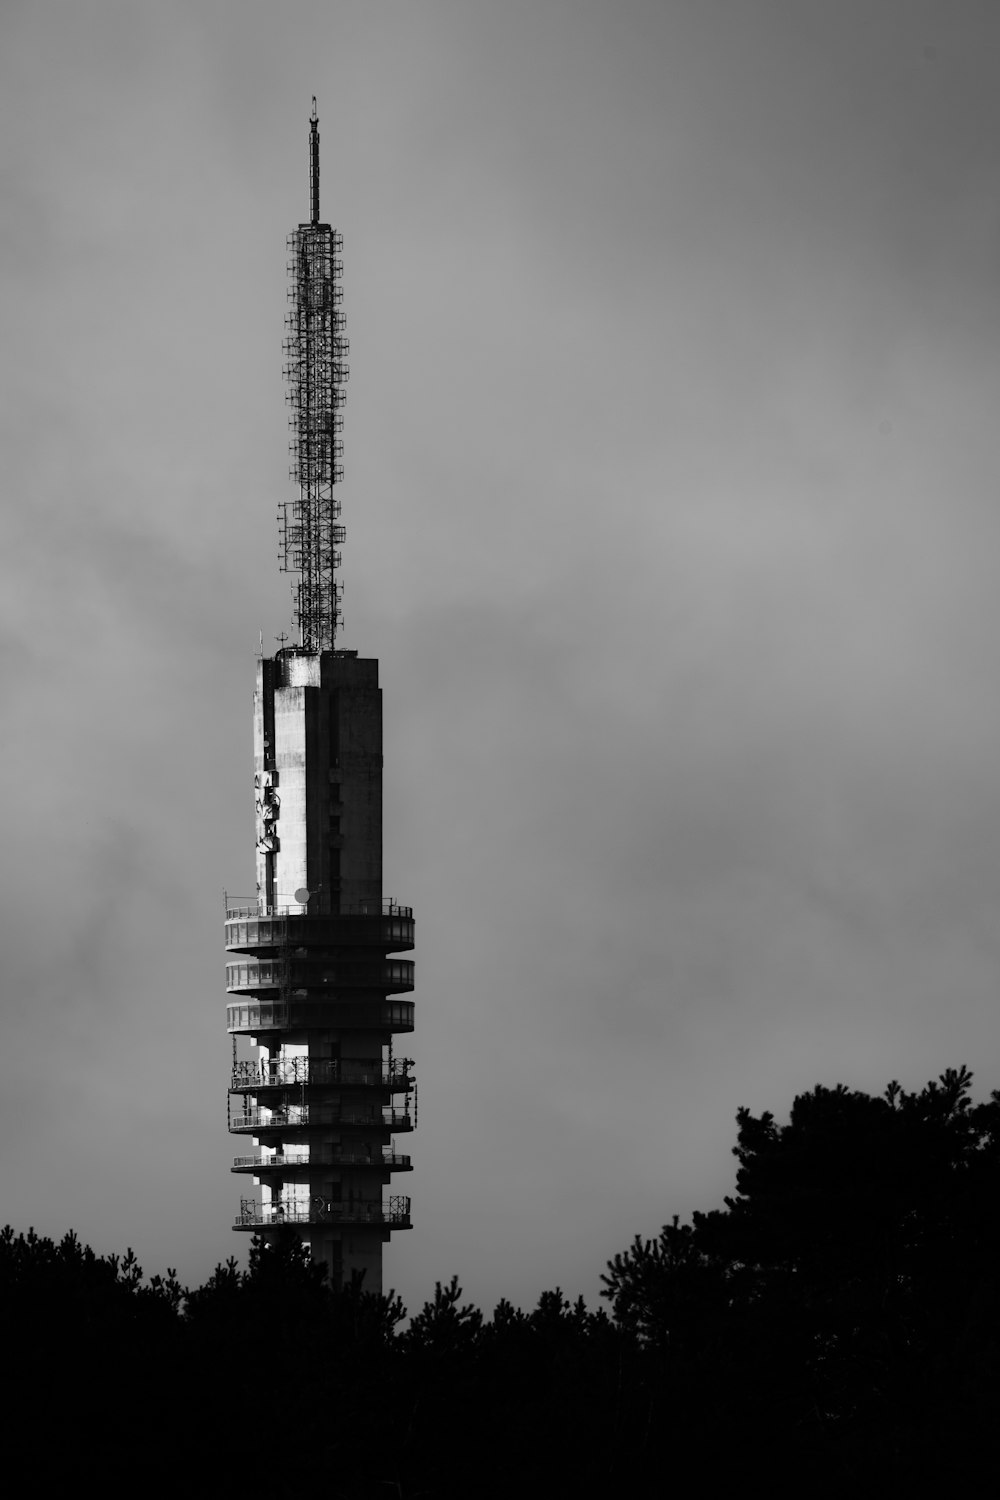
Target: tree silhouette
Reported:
point(837, 1321)
point(846, 1296)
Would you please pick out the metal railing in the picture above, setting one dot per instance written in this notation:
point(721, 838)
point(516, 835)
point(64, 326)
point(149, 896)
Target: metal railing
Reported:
point(390, 1159)
point(393, 975)
point(237, 908)
point(395, 1119)
point(273, 1015)
point(321, 1211)
point(283, 1072)
point(270, 1119)
point(298, 1116)
point(249, 907)
point(277, 1160)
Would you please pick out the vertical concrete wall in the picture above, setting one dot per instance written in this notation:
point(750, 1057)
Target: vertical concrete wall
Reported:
point(318, 781)
point(291, 869)
point(355, 776)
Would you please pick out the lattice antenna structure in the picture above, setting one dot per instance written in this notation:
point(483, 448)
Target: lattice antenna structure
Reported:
point(316, 370)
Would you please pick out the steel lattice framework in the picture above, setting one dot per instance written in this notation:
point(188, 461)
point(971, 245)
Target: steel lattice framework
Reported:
point(316, 370)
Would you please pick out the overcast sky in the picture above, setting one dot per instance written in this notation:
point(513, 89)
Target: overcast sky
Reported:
point(672, 458)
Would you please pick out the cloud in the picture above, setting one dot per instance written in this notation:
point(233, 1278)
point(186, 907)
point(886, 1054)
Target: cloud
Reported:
point(670, 499)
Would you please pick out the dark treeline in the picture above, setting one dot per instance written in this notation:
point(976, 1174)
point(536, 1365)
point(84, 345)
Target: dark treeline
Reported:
point(835, 1326)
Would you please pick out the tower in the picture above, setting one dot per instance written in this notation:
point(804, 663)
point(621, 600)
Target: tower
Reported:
point(314, 979)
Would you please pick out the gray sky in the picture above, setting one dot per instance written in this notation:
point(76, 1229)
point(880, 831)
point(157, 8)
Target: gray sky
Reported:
point(673, 517)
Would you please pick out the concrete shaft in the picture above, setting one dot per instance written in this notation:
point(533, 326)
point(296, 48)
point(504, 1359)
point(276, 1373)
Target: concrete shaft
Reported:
point(312, 984)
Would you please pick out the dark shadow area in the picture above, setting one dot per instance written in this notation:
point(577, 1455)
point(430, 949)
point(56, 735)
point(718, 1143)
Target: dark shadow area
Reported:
point(833, 1327)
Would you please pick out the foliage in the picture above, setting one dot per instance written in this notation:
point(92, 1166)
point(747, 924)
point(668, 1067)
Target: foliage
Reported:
point(849, 1287)
point(839, 1316)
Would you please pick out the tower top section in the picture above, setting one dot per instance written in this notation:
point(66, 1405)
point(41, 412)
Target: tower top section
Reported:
point(316, 370)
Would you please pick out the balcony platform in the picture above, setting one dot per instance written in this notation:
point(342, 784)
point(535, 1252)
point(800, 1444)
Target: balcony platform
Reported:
point(392, 1215)
point(301, 1014)
point(395, 1077)
point(248, 930)
point(302, 1118)
point(315, 976)
point(393, 1162)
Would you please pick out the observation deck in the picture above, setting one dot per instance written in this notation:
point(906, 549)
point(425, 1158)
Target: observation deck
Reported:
point(300, 972)
point(391, 1161)
point(304, 1117)
point(308, 974)
point(395, 1077)
point(394, 1214)
point(301, 1013)
point(385, 925)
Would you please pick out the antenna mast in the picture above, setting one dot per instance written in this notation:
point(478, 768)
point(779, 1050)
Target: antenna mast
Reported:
point(315, 368)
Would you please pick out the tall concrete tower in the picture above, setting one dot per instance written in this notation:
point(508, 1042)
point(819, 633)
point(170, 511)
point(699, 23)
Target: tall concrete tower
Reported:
point(313, 986)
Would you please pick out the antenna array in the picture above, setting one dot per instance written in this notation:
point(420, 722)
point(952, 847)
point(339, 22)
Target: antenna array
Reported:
point(316, 371)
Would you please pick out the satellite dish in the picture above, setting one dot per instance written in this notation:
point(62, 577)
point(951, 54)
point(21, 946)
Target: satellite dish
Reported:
point(301, 895)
